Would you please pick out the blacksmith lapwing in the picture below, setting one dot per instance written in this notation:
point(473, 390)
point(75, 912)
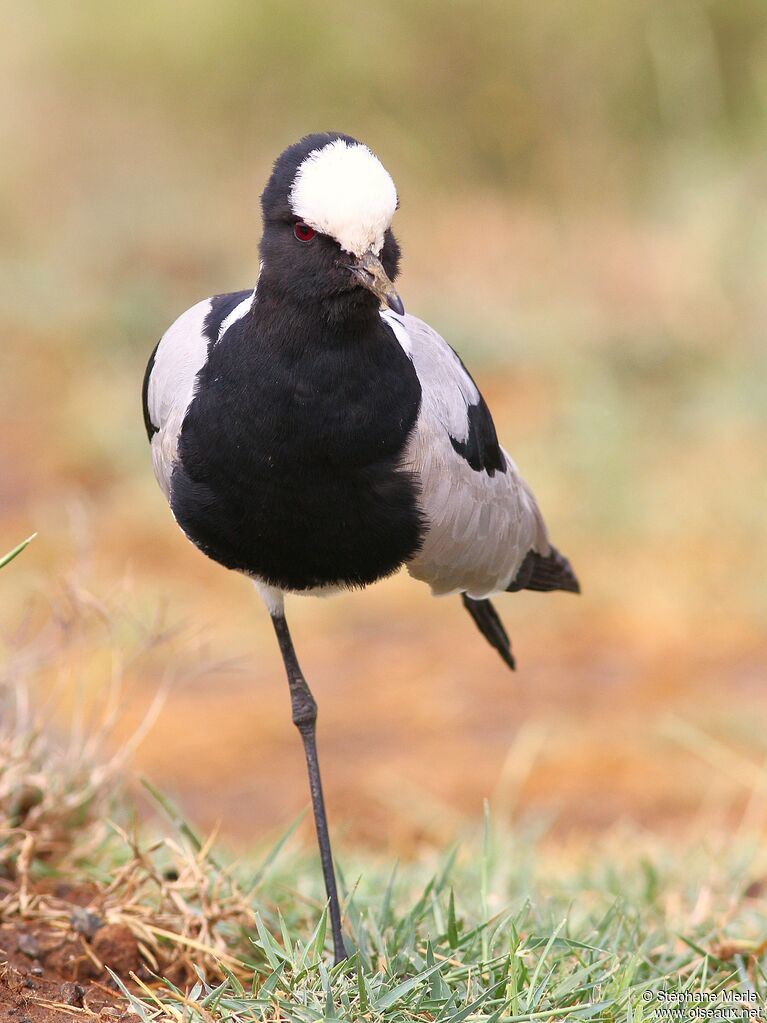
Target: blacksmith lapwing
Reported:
point(311, 435)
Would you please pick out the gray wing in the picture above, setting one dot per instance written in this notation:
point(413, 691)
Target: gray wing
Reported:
point(482, 517)
point(172, 373)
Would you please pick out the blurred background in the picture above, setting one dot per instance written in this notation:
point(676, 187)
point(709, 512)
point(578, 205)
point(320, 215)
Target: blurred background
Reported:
point(582, 193)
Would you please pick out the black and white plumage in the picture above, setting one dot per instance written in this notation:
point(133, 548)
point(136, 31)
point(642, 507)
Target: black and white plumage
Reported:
point(312, 440)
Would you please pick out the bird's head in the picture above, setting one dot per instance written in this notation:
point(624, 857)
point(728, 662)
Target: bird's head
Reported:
point(327, 210)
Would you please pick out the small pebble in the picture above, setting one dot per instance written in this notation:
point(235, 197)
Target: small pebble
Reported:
point(85, 922)
point(27, 944)
point(37, 970)
point(72, 994)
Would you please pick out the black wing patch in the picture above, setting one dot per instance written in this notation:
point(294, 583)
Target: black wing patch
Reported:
point(220, 307)
point(151, 429)
point(481, 448)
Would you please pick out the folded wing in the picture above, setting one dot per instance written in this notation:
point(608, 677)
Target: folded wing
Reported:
point(483, 518)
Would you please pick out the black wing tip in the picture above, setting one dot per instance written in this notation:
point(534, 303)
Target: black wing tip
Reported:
point(490, 625)
point(507, 657)
point(573, 586)
point(546, 573)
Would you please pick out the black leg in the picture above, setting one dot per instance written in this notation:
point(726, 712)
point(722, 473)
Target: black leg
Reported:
point(305, 719)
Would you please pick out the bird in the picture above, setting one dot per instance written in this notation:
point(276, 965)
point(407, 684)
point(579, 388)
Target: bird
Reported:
point(310, 434)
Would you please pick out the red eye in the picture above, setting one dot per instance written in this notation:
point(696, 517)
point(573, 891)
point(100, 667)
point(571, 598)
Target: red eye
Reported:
point(303, 232)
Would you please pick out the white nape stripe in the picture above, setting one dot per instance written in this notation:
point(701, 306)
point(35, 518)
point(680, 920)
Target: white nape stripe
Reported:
point(344, 191)
point(236, 314)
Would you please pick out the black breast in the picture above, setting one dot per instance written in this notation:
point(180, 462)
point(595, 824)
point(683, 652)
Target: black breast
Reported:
point(290, 454)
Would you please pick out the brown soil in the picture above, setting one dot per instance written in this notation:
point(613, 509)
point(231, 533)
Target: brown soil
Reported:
point(55, 970)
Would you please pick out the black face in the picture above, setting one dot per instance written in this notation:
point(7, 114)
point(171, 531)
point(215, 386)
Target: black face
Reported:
point(304, 265)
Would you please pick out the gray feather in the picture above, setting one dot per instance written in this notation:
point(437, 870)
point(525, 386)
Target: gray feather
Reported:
point(480, 527)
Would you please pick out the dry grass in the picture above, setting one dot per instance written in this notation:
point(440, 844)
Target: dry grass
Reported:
point(63, 815)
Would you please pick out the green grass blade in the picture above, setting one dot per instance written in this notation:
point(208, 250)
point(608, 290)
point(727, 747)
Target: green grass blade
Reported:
point(390, 997)
point(6, 558)
point(452, 925)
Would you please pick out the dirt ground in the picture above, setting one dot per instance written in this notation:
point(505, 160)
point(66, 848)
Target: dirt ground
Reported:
point(54, 971)
point(577, 745)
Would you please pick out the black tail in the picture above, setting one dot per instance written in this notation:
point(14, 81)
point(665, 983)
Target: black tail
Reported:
point(554, 572)
point(490, 625)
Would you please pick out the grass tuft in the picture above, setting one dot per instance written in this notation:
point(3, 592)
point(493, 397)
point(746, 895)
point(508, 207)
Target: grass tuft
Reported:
point(499, 930)
point(504, 927)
